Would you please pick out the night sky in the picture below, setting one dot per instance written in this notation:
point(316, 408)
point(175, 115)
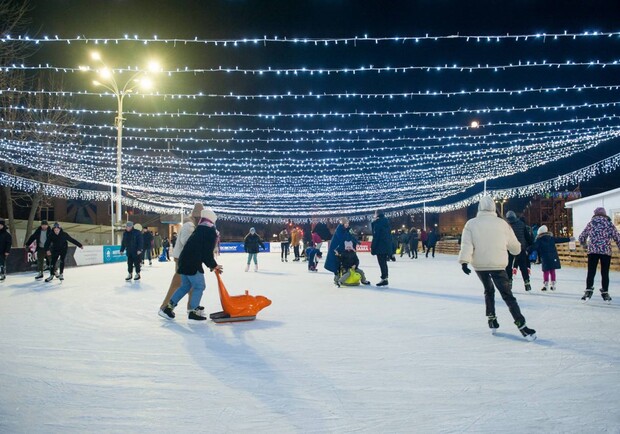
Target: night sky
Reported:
point(334, 19)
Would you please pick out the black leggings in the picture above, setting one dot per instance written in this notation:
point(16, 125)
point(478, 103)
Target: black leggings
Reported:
point(500, 279)
point(593, 259)
point(383, 260)
point(61, 265)
point(519, 261)
point(133, 260)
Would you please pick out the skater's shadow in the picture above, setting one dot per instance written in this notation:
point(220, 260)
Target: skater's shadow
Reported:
point(37, 286)
point(272, 273)
point(414, 293)
point(242, 359)
point(511, 337)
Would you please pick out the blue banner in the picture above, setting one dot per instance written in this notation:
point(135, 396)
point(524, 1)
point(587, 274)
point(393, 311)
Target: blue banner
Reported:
point(113, 254)
point(237, 248)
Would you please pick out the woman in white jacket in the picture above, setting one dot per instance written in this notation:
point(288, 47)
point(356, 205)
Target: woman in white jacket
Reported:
point(485, 244)
point(186, 231)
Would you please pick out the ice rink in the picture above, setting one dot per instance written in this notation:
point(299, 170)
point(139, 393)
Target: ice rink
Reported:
point(92, 355)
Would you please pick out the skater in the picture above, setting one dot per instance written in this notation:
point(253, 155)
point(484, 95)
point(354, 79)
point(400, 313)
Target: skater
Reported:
point(313, 255)
point(157, 243)
point(189, 225)
point(132, 243)
point(197, 250)
point(349, 262)
point(596, 238)
point(431, 241)
point(6, 241)
point(173, 240)
point(404, 243)
point(484, 243)
point(40, 236)
point(165, 245)
point(147, 240)
point(336, 247)
point(381, 245)
point(296, 235)
point(251, 244)
point(524, 235)
point(413, 243)
point(423, 239)
point(548, 254)
point(285, 242)
point(317, 240)
point(56, 246)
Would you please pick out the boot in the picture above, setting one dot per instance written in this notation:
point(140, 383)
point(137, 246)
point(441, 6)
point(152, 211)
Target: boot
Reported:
point(128, 277)
point(552, 287)
point(528, 287)
point(61, 277)
point(49, 279)
point(136, 277)
point(529, 334)
point(605, 296)
point(255, 268)
point(384, 282)
point(493, 324)
point(545, 286)
point(167, 312)
point(39, 276)
point(588, 295)
point(196, 315)
point(200, 310)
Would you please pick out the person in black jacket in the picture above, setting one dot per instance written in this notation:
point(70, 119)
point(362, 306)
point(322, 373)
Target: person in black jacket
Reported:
point(147, 240)
point(381, 245)
point(403, 239)
point(133, 244)
point(431, 241)
point(251, 244)
point(198, 250)
point(5, 248)
point(524, 235)
point(413, 243)
point(40, 236)
point(56, 246)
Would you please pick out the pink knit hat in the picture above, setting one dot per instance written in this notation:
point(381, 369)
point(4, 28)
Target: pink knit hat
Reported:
point(600, 211)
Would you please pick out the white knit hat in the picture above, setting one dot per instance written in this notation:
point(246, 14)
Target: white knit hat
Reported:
point(208, 213)
point(543, 229)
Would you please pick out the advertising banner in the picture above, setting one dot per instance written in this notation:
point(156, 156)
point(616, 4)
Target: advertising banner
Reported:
point(89, 255)
point(113, 254)
point(363, 246)
point(21, 260)
point(231, 247)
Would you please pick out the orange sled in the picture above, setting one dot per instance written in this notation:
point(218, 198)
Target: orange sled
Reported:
point(238, 307)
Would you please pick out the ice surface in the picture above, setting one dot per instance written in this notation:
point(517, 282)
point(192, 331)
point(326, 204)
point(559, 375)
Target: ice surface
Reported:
point(92, 355)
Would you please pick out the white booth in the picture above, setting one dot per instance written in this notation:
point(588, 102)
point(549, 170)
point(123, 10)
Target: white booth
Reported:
point(583, 209)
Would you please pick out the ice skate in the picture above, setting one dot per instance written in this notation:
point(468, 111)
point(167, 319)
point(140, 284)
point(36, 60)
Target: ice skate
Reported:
point(545, 286)
point(128, 277)
point(365, 282)
point(588, 295)
point(49, 279)
point(605, 296)
point(552, 286)
point(255, 268)
point(493, 324)
point(136, 277)
point(383, 282)
point(39, 276)
point(528, 333)
point(167, 312)
point(528, 287)
point(200, 310)
point(196, 315)
point(247, 268)
point(61, 277)
point(2, 277)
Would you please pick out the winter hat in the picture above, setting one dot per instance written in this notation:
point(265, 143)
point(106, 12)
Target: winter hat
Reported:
point(543, 230)
point(44, 222)
point(56, 225)
point(207, 213)
point(196, 212)
point(511, 215)
point(486, 204)
point(129, 224)
point(348, 245)
point(252, 230)
point(600, 211)
point(344, 221)
point(138, 226)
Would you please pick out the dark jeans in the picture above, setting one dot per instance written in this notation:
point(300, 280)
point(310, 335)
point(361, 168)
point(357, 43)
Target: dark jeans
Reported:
point(284, 252)
point(42, 258)
point(60, 258)
point(383, 260)
point(133, 260)
point(522, 262)
point(500, 279)
point(296, 250)
point(146, 255)
point(413, 248)
point(428, 249)
point(593, 259)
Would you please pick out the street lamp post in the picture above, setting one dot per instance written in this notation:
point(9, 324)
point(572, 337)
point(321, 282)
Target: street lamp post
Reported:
point(109, 82)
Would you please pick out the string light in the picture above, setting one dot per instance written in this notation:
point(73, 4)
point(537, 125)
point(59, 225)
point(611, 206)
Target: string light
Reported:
point(257, 41)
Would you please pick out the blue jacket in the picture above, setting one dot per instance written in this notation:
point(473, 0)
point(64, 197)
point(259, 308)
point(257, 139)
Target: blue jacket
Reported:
point(132, 242)
point(381, 238)
point(337, 243)
point(432, 238)
point(548, 254)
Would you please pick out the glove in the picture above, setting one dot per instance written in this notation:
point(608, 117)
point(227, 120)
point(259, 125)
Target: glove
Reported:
point(466, 269)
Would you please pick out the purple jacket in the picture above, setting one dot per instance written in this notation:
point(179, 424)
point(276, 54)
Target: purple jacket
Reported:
point(598, 233)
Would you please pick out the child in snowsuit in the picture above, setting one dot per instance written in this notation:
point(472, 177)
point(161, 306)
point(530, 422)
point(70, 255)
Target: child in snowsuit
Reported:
point(349, 262)
point(313, 254)
point(56, 246)
point(251, 244)
point(548, 254)
point(5, 248)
